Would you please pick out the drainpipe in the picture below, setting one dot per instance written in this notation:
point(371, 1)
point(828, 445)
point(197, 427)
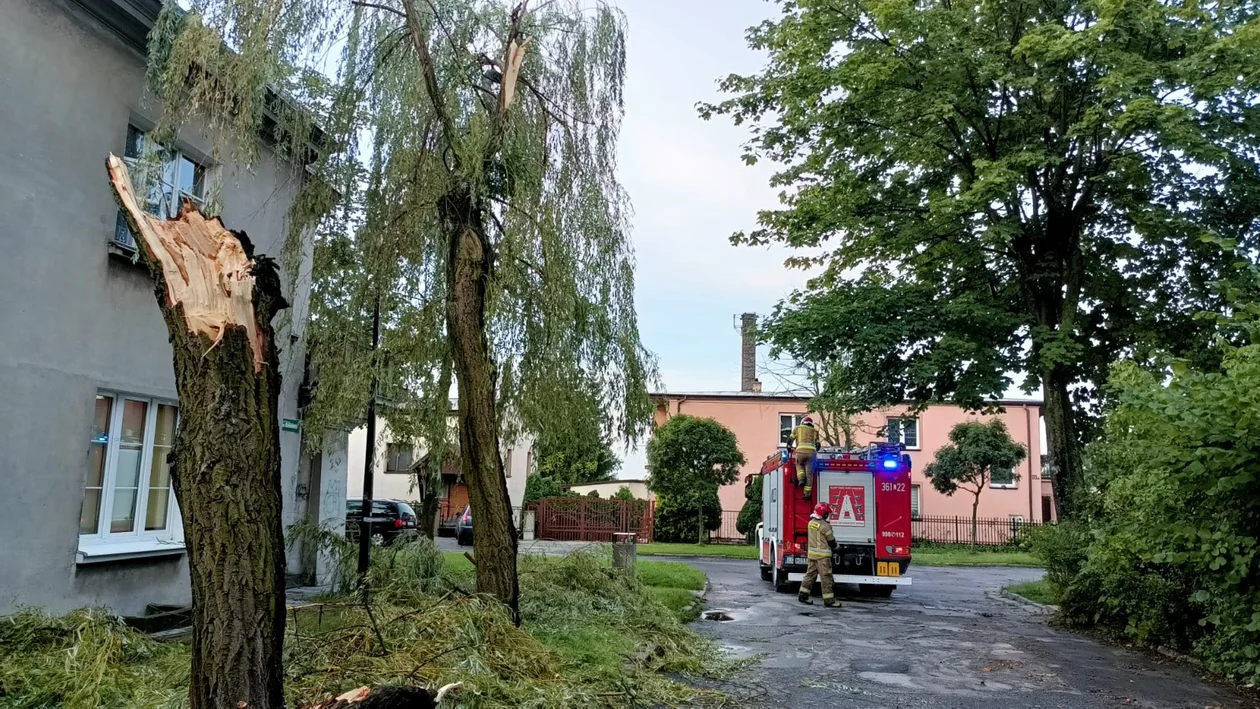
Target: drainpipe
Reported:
point(1029, 439)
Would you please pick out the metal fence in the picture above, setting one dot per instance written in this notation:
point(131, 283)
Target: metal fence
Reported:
point(726, 533)
point(586, 519)
point(990, 531)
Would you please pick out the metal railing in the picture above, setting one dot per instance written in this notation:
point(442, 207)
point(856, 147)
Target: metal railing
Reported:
point(990, 531)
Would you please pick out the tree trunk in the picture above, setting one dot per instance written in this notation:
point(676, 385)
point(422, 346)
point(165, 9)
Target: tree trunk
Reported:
point(975, 509)
point(1063, 442)
point(428, 504)
point(468, 273)
point(218, 301)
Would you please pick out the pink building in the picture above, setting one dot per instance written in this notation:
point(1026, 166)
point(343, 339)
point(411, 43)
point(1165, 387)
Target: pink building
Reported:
point(763, 421)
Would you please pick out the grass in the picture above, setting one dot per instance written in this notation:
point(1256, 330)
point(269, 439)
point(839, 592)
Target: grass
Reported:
point(589, 638)
point(1035, 591)
point(962, 555)
point(726, 551)
point(924, 554)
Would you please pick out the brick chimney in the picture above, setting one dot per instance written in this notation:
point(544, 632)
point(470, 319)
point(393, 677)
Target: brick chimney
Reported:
point(748, 353)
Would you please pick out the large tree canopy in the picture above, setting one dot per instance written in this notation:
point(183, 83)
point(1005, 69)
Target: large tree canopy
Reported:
point(1005, 186)
point(465, 191)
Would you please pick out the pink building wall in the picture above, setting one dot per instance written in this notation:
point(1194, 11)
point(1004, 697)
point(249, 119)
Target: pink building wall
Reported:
point(754, 419)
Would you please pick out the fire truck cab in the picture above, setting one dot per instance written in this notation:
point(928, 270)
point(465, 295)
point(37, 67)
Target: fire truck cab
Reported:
point(868, 490)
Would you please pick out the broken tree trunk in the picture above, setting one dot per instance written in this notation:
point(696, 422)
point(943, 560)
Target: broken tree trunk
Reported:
point(218, 299)
point(468, 274)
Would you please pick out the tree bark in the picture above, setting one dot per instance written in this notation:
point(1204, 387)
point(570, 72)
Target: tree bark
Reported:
point(218, 300)
point(468, 274)
point(975, 511)
point(1062, 440)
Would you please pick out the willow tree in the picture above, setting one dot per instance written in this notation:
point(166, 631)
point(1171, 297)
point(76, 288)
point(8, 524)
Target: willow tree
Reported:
point(467, 180)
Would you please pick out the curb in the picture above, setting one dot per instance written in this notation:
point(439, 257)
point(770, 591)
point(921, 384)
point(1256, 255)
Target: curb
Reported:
point(1044, 608)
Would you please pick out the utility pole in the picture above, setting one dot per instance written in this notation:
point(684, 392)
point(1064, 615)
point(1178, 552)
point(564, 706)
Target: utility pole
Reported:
point(369, 463)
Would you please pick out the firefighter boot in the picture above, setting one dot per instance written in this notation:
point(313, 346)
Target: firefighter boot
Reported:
point(808, 490)
point(831, 603)
point(803, 597)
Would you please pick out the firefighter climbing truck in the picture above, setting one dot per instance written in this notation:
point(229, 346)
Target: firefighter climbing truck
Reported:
point(868, 491)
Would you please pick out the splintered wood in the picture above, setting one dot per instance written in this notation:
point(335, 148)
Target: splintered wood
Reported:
point(204, 266)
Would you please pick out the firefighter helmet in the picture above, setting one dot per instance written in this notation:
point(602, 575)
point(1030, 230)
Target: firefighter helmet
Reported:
point(807, 421)
point(822, 509)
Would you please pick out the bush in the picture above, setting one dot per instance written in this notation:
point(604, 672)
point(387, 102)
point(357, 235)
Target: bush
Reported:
point(677, 522)
point(538, 487)
point(1168, 553)
point(750, 513)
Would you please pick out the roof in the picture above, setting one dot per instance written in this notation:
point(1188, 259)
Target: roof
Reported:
point(131, 21)
point(610, 482)
point(780, 396)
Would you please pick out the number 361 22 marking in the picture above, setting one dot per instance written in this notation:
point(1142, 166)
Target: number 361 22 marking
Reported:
point(892, 487)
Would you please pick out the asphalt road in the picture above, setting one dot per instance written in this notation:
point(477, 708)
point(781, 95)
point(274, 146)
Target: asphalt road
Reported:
point(948, 641)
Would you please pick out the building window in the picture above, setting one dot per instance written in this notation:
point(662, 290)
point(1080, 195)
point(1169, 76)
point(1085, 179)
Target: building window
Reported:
point(914, 502)
point(398, 458)
point(787, 424)
point(1002, 478)
point(1047, 509)
point(507, 464)
point(904, 431)
point(165, 176)
point(127, 495)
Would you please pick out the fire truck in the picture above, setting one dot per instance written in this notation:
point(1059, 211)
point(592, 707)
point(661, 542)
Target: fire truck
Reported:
point(868, 490)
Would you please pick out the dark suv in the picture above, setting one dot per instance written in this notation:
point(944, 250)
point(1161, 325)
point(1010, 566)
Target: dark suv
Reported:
point(390, 520)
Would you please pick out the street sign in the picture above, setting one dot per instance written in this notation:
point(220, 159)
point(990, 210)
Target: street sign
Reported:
point(290, 425)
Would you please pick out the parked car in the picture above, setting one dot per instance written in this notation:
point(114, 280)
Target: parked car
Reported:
point(391, 520)
point(463, 528)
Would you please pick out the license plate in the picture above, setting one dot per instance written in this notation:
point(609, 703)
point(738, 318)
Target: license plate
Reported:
point(887, 568)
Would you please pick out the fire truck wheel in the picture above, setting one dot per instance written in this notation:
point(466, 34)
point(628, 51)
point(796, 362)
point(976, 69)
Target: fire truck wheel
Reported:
point(780, 581)
point(876, 591)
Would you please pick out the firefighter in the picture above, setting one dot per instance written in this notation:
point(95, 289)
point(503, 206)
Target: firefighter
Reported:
point(822, 543)
point(805, 442)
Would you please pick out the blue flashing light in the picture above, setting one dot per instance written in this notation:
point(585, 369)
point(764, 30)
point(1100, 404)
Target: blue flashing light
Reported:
point(890, 463)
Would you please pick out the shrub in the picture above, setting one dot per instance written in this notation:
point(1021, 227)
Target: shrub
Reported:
point(1169, 553)
point(678, 522)
point(750, 513)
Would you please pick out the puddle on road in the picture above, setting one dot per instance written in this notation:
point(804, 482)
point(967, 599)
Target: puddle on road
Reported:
point(719, 616)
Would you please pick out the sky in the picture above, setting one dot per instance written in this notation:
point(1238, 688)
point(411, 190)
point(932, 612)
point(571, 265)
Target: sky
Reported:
point(691, 190)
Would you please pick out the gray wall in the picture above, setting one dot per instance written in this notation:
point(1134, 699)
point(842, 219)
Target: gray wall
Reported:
point(73, 319)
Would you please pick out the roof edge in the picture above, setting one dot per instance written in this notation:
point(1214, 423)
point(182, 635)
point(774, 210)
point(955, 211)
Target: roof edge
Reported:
point(770, 396)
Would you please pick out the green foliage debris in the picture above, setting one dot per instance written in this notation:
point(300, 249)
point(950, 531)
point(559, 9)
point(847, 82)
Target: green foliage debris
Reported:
point(591, 638)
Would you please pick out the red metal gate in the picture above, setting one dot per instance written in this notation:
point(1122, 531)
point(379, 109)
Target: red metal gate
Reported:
point(588, 519)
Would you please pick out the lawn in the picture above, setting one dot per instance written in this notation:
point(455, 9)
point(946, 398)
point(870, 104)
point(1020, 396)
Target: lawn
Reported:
point(727, 551)
point(961, 555)
point(924, 555)
point(1035, 591)
point(588, 638)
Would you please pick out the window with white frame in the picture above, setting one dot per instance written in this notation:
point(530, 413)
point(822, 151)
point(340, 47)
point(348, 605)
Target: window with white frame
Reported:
point(398, 457)
point(1002, 478)
point(127, 495)
point(166, 176)
point(787, 424)
point(914, 502)
point(905, 431)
